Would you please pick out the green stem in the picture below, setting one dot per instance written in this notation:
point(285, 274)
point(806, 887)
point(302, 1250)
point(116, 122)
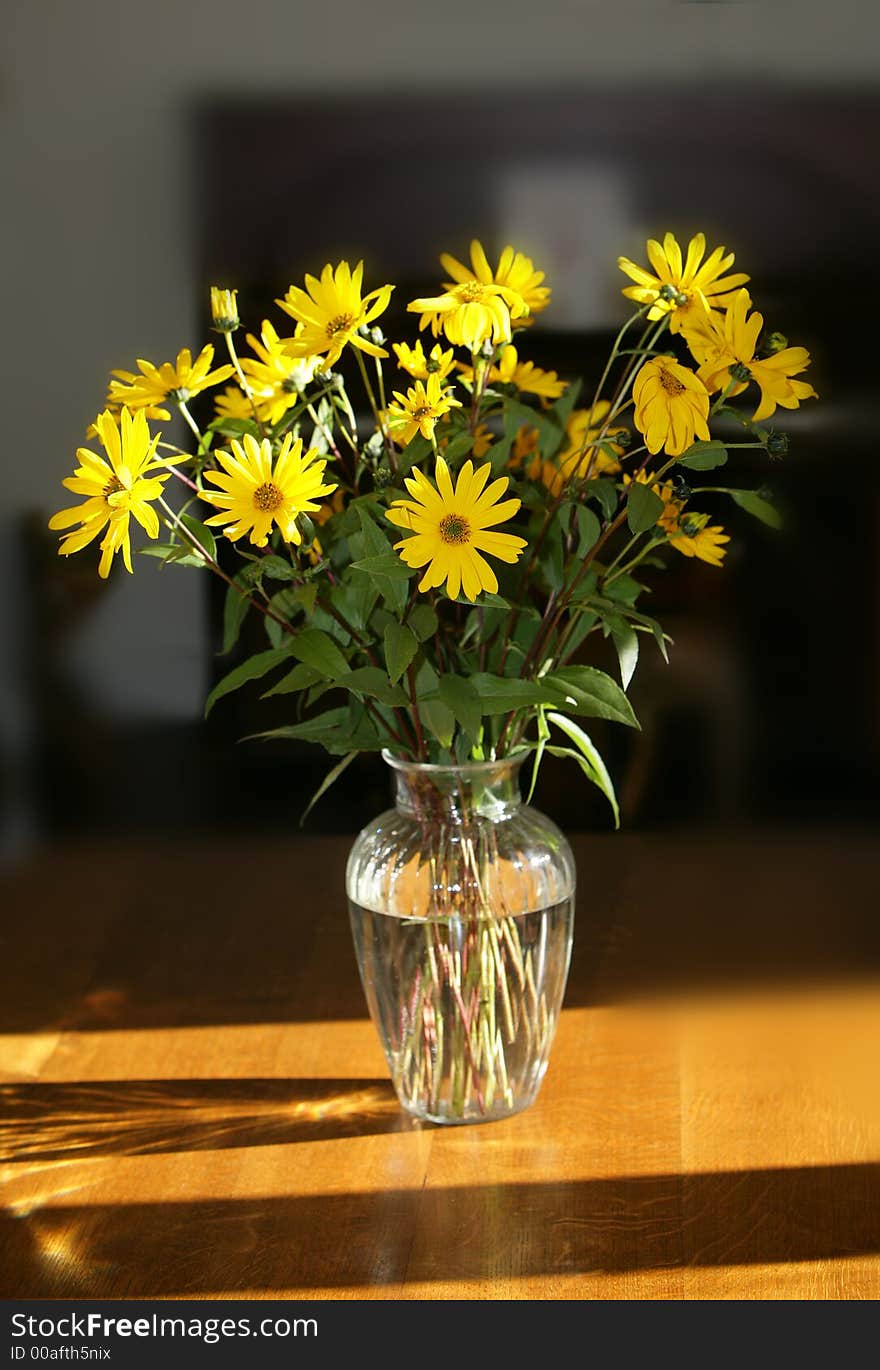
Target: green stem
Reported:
point(243, 382)
point(181, 405)
point(213, 565)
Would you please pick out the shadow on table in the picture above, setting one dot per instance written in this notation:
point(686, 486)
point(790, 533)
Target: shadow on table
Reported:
point(444, 1234)
point(53, 1122)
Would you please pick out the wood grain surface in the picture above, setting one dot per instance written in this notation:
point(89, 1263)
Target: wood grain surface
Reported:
point(193, 1102)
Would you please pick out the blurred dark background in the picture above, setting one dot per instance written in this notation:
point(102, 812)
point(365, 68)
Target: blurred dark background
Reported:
point(255, 147)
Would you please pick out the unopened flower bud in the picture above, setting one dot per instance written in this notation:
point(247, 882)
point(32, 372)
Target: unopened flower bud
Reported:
point(377, 336)
point(224, 309)
point(432, 365)
point(374, 445)
point(323, 377)
point(740, 372)
point(383, 476)
point(680, 488)
point(672, 295)
point(772, 342)
point(623, 439)
point(777, 444)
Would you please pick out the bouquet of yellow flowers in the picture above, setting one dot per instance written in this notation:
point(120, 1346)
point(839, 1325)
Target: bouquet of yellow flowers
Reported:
point(430, 556)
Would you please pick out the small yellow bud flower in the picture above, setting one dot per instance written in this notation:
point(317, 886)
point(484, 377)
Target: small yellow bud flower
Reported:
point(224, 309)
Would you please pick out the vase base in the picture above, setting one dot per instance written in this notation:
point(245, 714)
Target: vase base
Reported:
point(494, 1113)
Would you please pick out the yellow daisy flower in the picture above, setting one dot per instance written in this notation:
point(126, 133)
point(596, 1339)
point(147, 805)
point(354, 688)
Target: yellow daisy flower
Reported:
point(254, 494)
point(720, 343)
point(420, 367)
point(419, 409)
point(276, 379)
point(671, 406)
point(515, 271)
point(525, 376)
point(452, 526)
point(177, 381)
point(688, 533)
point(114, 487)
point(681, 290)
point(474, 308)
point(697, 538)
point(331, 310)
point(232, 403)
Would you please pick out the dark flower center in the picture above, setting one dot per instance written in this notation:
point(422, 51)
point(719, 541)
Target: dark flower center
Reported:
point(454, 529)
point(341, 324)
point(671, 384)
point(267, 497)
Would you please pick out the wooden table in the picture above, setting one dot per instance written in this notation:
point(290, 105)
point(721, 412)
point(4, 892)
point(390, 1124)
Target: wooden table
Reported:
point(193, 1102)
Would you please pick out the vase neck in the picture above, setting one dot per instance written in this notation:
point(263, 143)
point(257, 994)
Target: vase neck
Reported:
point(455, 794)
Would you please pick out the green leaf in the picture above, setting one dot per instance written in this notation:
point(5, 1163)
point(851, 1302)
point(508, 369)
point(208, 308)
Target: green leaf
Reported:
point(624, 589)
point(374, 541)
point(589, 531)
point(252, 669)
point(552, 556)
point(458, 446)
point(486, 598)
point(300, 678)
point(588, 758)
point(416, 450)
point(605, 491)
point(503, 695)
point(370, 680)
point(759, 508)
point(276, 568)
point(439, 718)
point(460, 697)
point(201, 533)
point(704, 456)
point(643, 508)
point(234, 613)
point(173, 554)
point(423, 621)
point(543, 739)
point(337, 730)
point(236, 428)
point(317, 649)
point(586, 690)
point(326, 725)
point(586, 622)
point(626, 640)
point(329, 779)
point(401, 645)
point(388, 566)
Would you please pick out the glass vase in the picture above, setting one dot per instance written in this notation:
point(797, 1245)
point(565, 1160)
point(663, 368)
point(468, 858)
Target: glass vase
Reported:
point(462, 910)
